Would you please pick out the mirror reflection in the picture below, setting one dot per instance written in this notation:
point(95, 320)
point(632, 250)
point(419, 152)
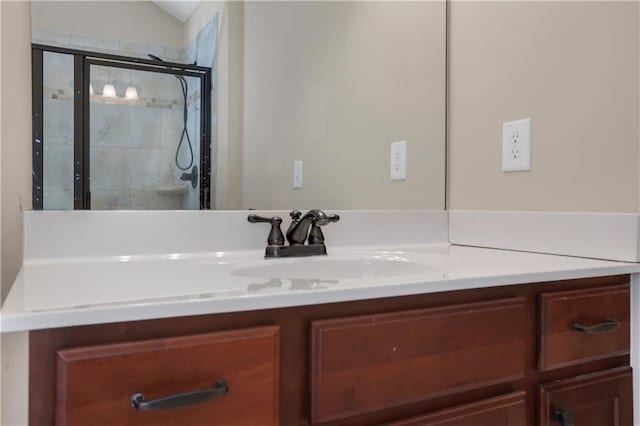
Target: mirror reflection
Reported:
point(239, 105)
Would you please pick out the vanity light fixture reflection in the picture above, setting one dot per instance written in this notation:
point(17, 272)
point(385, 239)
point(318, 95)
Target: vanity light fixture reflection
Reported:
point(109, 91)
point(131, 93)
point(91, 92)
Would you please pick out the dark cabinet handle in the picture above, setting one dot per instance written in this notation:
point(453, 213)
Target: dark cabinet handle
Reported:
point(179, 400)
point(603, 327)
point(565, 417)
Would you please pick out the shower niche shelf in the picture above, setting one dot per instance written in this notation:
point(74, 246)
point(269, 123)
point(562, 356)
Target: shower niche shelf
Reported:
point(173, 190)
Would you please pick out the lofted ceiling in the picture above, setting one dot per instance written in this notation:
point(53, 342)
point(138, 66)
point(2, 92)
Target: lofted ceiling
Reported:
point(181, 9)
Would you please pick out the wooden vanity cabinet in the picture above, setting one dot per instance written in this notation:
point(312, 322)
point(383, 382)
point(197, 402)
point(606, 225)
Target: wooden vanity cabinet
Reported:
point(483, 357)
point(504, 410)
point(223, 378)
point(576, 327)
point(598, 399)
point(583, 325)
point(365, 363)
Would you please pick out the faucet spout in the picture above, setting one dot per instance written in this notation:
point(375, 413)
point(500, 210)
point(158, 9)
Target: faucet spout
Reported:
point(299, 229)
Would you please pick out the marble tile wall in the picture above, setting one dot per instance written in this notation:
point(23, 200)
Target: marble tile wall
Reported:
point(133, 144)
point(94, 44)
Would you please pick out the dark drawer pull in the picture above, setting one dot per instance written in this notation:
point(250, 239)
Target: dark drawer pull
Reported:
point(565, 417)
point(179, 400)
point(603, 327)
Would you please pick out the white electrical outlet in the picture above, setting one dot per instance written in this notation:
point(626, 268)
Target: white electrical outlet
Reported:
point(297, 174)
point(516, 145)
point(399, 160)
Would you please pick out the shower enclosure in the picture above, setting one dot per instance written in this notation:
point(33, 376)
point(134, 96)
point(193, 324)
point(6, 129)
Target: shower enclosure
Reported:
point(116, 132)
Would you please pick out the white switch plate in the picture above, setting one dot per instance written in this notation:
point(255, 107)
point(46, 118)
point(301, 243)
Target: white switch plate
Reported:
point(297, 174)
point(516, 145)
point(399, 160)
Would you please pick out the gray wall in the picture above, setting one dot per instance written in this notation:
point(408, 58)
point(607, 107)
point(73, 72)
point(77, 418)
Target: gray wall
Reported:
point(570, 66)
point(333, 84)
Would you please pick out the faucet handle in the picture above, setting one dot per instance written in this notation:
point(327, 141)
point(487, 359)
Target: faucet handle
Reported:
point(254, 218)
point(276, 237)
point(316, 235)
point(295, 215)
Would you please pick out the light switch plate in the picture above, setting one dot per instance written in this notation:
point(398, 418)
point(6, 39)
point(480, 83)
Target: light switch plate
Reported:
point(399, 160)
point(516, 145)
point(297, 174)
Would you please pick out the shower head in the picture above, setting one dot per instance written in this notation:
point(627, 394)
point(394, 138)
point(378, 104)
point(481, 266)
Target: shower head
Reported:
point(155, 58)
point(159, 59)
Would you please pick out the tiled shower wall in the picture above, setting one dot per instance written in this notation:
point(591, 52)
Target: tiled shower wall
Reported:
point(133, 142)
point(116, 47)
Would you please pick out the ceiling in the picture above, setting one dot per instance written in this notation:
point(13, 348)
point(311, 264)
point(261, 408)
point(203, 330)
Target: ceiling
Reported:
point(181, 9)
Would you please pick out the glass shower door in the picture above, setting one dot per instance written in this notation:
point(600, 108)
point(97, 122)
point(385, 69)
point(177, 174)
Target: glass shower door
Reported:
point(144, 134)
point(55, 181)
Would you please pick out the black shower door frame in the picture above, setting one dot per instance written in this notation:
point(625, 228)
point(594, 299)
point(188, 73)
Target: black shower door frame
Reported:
point(83, 60)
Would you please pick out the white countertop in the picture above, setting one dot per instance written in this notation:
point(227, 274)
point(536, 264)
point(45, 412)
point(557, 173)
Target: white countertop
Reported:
point(70, 292)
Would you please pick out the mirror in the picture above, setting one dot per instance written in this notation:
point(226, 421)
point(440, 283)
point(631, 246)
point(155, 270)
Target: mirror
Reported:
point(239, 105)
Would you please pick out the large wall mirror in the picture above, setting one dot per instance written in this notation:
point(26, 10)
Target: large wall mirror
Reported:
point(239, 105)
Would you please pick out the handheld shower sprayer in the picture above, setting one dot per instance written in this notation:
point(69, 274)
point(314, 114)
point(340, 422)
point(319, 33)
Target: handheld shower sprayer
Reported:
point(192, 177)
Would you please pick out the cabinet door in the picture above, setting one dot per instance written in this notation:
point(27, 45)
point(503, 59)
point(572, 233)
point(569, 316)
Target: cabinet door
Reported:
point(224, 378)
point(371, 362)
point(504, 410)
point(583, 325)
point(599, 399)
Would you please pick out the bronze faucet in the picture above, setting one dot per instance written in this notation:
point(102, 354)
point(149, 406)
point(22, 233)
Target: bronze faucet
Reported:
point(303, 228)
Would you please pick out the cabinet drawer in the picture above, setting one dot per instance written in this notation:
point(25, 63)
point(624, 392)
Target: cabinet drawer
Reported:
point(599, 399)
point(366, 363)
point(95, 384)
point(504, 410)
point(583, 325)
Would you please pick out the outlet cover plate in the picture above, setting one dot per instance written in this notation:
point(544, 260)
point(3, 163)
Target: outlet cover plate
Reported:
point(516, 145)
point(398, 159)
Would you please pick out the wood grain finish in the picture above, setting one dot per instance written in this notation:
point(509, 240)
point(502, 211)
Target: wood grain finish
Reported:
point(294, 324)
point(598, 399)
point(561, 346)
point(504, 410)
point(376, 361)
point(95, 383)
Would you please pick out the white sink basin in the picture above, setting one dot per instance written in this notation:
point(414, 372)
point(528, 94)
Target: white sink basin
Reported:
point(326, 268)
